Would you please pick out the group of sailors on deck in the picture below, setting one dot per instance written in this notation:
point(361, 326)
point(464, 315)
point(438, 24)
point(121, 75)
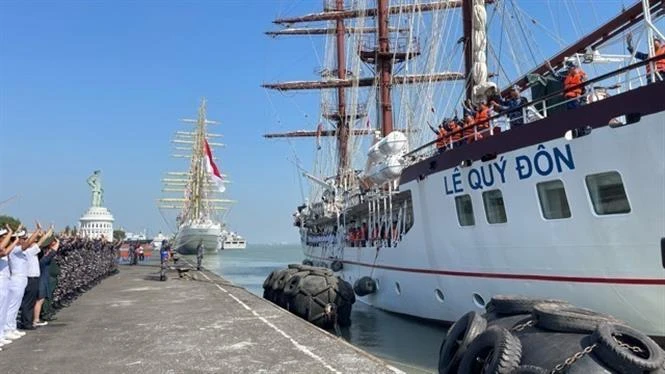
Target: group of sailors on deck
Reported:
point(476, 124)
point(357, 236)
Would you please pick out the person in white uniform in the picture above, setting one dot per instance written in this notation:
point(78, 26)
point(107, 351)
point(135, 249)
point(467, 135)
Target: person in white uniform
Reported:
point(18, 267)
point(6, 244)
point(32, 289)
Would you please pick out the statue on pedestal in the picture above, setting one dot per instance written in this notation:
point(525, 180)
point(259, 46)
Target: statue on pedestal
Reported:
point(95, 183)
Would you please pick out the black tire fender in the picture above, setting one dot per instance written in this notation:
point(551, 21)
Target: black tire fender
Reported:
point(292, 286)
point(364, 286)
point(568, 318)
point(269, 279)
point(458, 338)
point(609, 338)
point(529, 369)
point(496, 350)
point(336, 266)
point(516, 304)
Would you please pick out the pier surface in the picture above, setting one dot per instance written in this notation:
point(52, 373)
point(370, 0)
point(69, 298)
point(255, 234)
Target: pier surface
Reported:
point(132, 323)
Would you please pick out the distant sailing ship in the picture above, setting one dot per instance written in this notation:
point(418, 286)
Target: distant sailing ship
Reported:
point(197, 222)
point(561, 198)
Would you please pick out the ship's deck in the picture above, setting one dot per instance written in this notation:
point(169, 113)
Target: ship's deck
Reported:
point(132, 323)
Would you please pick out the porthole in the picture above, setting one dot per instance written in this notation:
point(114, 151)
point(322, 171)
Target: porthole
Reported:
point(398, 289)
point(439, 295)
point(478, 300)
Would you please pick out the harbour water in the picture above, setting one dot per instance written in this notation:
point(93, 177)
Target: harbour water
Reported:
point(407, 343)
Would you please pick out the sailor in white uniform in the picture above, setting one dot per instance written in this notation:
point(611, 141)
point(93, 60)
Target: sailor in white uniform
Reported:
point(18, 266)
point(5, 245)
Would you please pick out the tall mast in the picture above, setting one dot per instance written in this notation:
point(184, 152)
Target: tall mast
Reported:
point(467, 21)
point(384, 65)
point(342, 120)
point(197, 158)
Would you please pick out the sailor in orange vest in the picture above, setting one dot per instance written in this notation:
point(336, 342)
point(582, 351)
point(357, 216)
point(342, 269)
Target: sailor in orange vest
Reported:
point(481, 119)
point(574, 77)
point(469, 129)
point(659, 49)
point(456, 135)
point(441, 140)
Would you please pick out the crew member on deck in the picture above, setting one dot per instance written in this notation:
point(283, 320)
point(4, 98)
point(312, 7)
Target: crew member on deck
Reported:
point(441, 134)
point(481, 120)
point(510, 105)
point(659, 48)
point(574, 77)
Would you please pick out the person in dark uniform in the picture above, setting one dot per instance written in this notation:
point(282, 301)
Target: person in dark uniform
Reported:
point(199, 255)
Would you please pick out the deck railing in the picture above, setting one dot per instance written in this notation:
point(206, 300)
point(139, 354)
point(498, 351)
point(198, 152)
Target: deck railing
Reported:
point(538, 109)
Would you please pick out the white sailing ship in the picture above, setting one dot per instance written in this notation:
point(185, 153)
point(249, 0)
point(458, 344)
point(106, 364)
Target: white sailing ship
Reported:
point(198, 222)
point(569, 205)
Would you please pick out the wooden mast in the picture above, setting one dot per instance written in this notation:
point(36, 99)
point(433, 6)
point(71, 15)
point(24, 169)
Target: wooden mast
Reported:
point(467, 21)
point(384, 65)
point(342, 120)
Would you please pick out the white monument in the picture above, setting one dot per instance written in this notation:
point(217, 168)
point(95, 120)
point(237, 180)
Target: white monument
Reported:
point(98, 220)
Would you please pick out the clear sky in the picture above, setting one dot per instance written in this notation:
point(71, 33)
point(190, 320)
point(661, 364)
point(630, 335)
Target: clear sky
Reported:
point(88, 85)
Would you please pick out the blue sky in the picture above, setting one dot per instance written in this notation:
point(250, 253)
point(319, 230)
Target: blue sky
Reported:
point(102, 84)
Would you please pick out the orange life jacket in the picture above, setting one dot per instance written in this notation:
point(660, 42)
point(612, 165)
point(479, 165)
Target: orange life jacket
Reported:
point(441, 139)
point(660, 64)
point(453, 126)
point(482, 117)
point(573, 78)
point(469, 129)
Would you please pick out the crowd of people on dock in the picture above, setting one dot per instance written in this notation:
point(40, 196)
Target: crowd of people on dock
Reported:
point(41, 273)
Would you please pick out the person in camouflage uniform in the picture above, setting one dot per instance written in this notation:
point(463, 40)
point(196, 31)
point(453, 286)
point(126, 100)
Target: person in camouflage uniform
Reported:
point(79, 265)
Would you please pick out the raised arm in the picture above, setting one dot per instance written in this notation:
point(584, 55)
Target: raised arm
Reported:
point(33, 238)
point(45, 237)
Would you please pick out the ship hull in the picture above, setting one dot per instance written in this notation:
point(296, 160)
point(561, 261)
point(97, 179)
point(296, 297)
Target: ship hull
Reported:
point(608, 262)
point(189, 237)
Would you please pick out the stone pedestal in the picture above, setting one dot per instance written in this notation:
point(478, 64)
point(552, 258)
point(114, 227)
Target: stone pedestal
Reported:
point(97, 221)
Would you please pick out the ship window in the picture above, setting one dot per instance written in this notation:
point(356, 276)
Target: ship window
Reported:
point(553, 200)
point(495, 211)
point(607, 193)
point(464, 210)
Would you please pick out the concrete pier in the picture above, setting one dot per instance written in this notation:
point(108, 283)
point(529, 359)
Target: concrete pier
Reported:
point(132, 323)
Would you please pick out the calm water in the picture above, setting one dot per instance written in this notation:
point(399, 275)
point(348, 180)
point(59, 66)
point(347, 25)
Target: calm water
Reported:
point(408, 343)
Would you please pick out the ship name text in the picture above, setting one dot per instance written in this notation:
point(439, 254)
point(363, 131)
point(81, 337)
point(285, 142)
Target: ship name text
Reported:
point(543, 162)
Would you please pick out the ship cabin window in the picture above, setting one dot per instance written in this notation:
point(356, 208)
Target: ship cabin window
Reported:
point(607, 193)
point(553, 200)
point(464, 210)
point(495, 211)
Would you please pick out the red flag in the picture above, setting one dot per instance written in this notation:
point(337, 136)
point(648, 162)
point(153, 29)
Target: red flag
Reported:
point(215, 175)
